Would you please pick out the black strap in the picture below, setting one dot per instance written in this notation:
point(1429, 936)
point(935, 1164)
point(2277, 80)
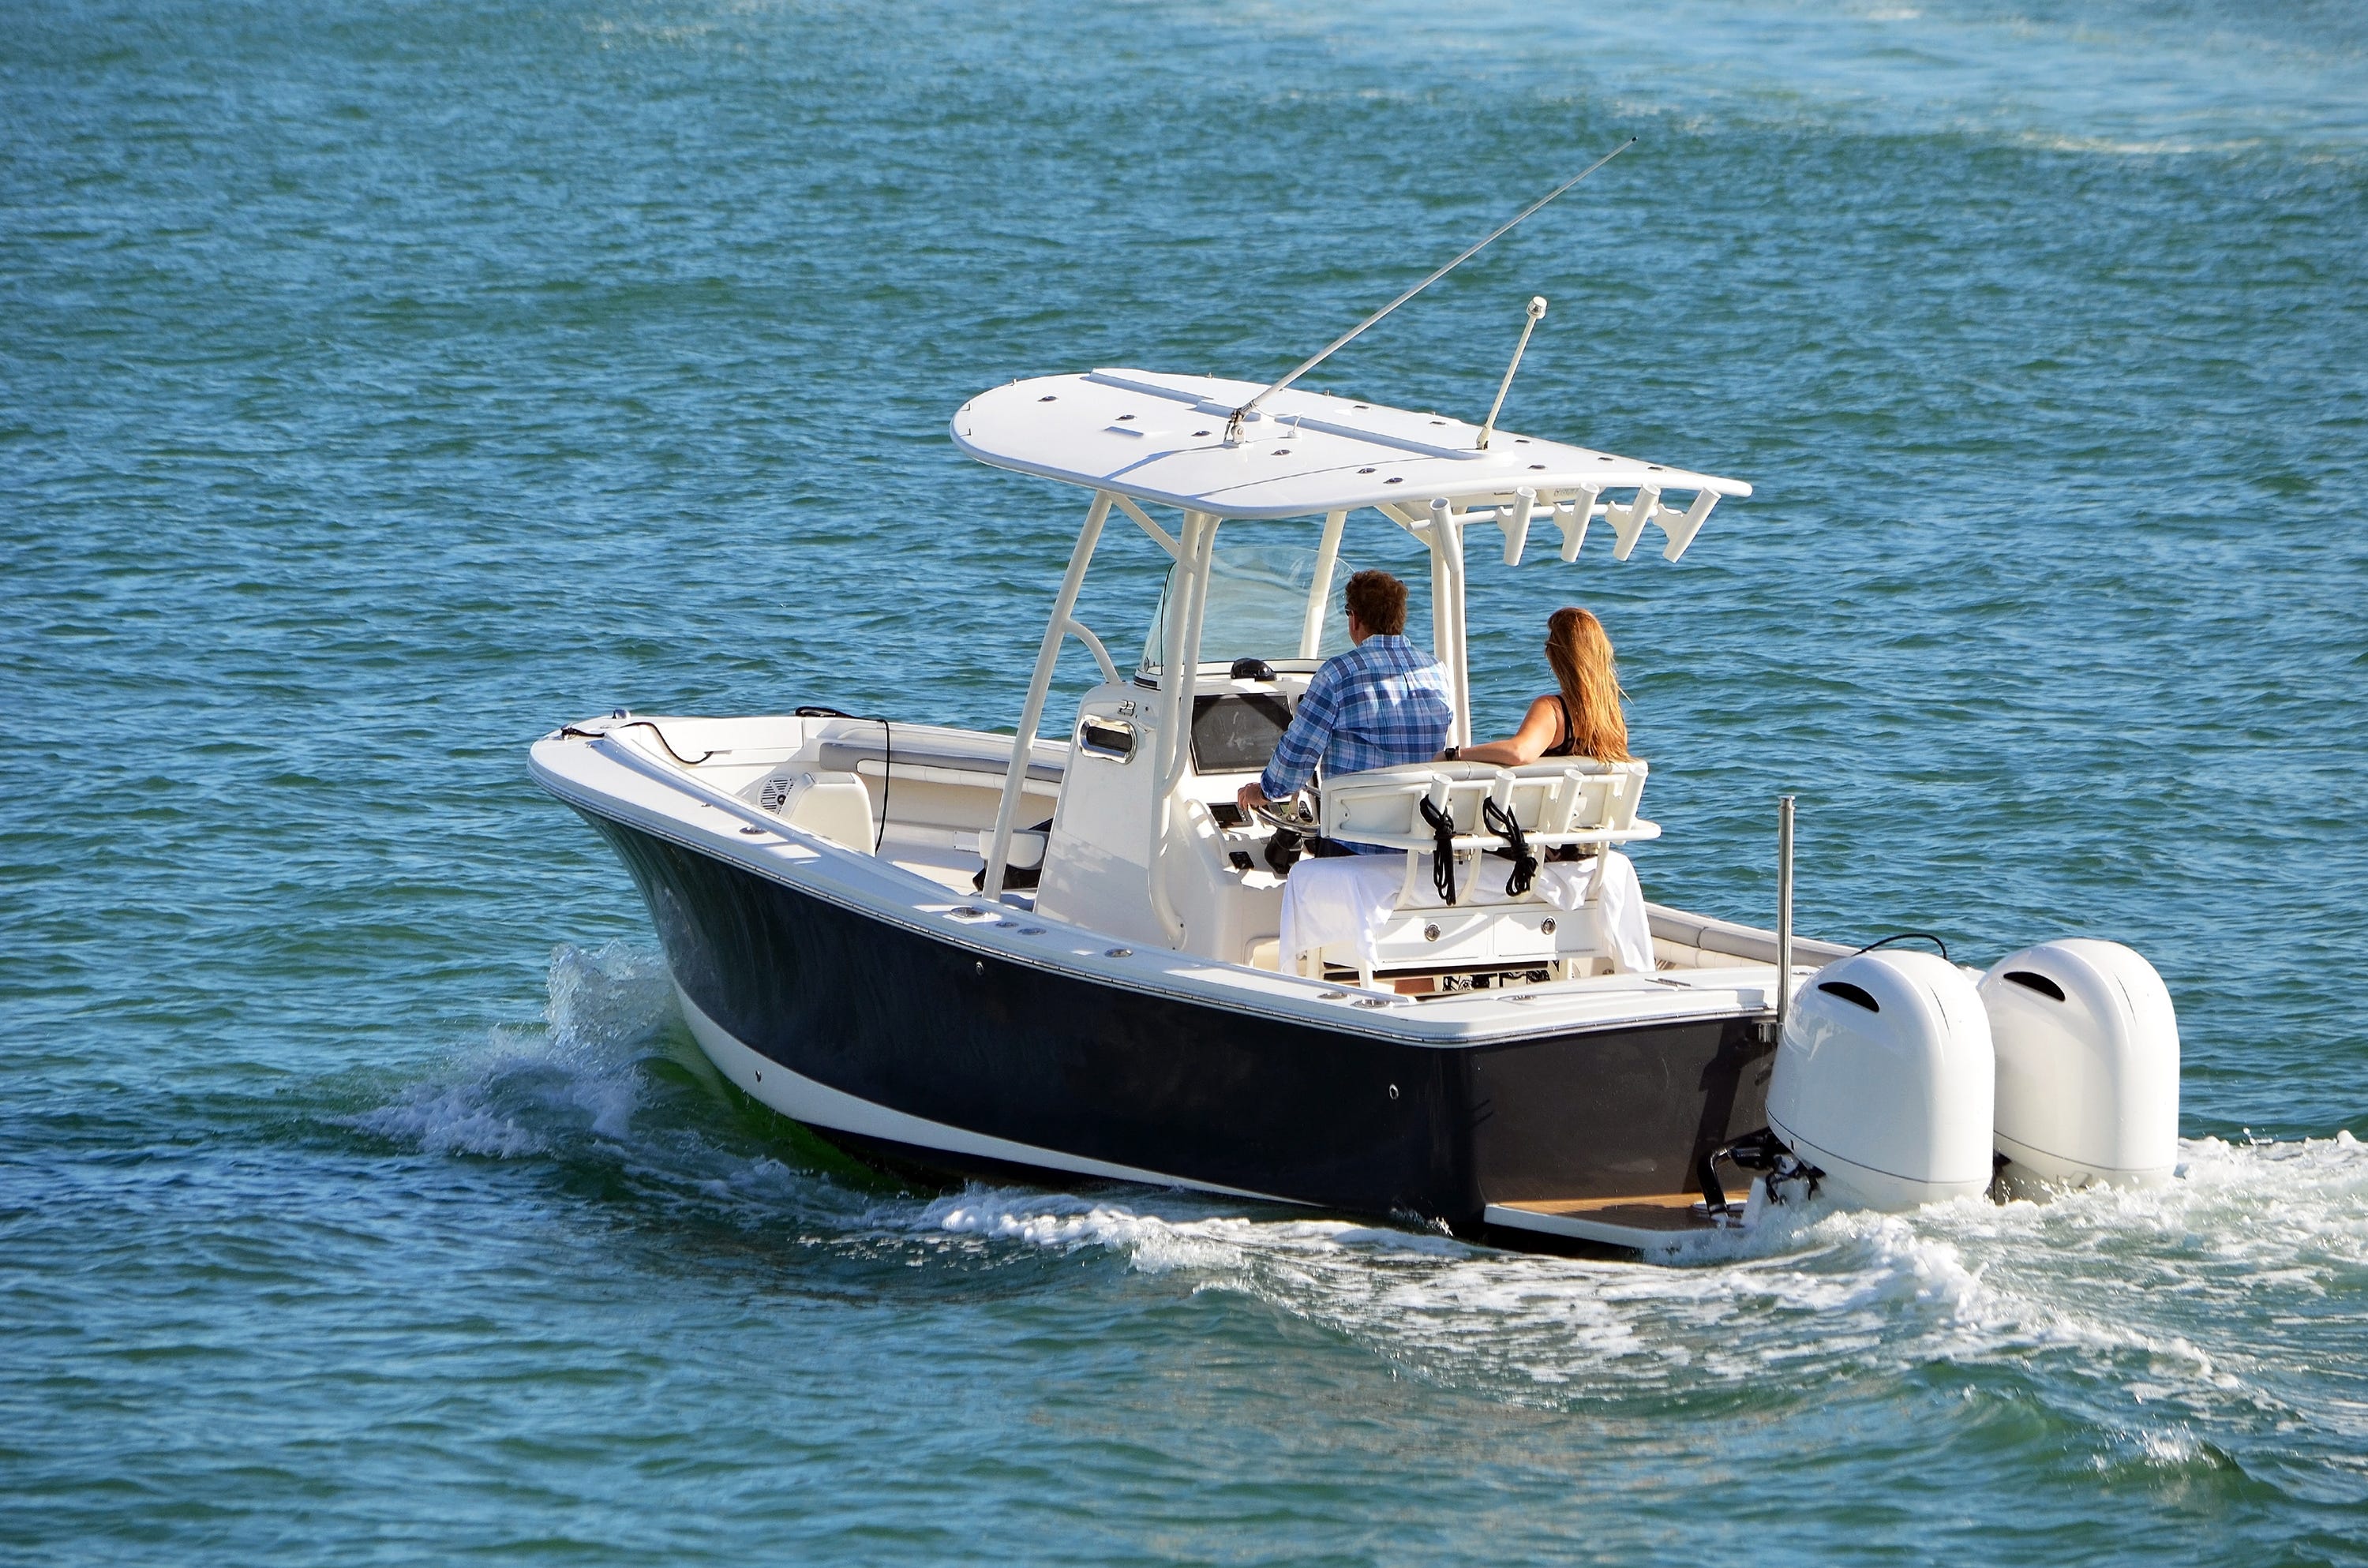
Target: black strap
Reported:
point(1442, 858)
point(1568, 745)
point(1507, 827)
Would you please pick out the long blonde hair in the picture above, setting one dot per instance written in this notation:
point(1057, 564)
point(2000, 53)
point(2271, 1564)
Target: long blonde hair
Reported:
point(1580, 651)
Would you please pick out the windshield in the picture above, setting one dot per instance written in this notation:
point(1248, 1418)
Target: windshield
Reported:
point(1258, 601)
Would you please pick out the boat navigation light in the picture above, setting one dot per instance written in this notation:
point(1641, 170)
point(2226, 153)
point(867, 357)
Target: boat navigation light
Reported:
point(1535, 313)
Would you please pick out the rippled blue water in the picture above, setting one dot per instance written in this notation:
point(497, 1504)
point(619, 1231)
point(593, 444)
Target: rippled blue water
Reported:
point(383, 383)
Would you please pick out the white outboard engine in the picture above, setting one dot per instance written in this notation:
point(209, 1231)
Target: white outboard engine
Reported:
point(2088, 1067)
point(1884, 1080)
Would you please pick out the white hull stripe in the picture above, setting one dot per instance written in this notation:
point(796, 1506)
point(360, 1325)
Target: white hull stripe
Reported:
point(817, 1105)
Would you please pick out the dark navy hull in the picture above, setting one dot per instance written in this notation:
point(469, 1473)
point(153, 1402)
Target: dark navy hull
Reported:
point(1053, 1060)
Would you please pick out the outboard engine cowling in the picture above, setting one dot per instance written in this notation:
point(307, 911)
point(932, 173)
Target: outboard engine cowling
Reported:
point(1884, 1080)
point(2088, 1067)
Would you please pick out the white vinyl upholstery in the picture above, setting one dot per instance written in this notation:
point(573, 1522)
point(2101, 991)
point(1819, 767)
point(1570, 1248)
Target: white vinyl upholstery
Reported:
point(1557, 802)
point(826, 802)
point(1382, 913)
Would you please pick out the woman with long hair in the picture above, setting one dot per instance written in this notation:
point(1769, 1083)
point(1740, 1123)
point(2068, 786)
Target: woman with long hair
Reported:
point(1581, 719)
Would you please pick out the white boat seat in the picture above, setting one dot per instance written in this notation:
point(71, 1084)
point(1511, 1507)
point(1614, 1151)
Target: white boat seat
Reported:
point(1365, 924)
point(1557, 802)
point(830, 803)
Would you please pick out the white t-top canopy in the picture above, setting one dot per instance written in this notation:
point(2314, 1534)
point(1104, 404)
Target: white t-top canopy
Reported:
point(1162, 438)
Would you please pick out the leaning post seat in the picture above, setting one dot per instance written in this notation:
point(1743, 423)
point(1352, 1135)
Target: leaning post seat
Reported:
point(1555, 803)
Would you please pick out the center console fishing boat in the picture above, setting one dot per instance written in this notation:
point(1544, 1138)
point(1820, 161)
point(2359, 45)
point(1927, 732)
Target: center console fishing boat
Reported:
point(1078, 957)
point(1073, 956)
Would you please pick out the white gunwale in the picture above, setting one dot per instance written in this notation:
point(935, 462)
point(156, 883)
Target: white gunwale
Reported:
point(605, 769)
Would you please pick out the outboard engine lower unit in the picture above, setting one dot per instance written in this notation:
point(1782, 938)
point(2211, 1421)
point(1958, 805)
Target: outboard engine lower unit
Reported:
point(1884, 1078)
point(2088, 1067)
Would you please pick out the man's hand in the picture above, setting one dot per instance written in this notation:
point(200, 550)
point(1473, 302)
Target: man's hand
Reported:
point(1250, 797)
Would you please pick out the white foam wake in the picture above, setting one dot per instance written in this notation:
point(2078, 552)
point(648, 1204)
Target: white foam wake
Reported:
point(2141, 1287)
point(1156, 1241)
point(576, 1075)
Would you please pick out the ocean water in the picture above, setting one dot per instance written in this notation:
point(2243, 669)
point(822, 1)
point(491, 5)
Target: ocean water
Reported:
point(383, 383)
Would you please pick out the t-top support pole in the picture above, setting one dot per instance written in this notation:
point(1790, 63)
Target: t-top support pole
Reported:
point(1446, 539)
point(1178, 678)
point(1319, 588)
point(1031, 712)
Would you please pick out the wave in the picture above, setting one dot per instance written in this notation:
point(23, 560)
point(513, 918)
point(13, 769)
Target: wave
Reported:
point(532, 1089)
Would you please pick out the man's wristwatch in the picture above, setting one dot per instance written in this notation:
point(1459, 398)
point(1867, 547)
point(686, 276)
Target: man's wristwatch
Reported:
point(1452, 753)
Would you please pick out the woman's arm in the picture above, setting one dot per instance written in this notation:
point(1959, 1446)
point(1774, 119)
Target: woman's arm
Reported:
point(1528, 744)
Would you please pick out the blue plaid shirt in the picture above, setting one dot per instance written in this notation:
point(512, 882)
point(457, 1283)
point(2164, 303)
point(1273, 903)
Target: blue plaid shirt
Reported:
point(1382, 702)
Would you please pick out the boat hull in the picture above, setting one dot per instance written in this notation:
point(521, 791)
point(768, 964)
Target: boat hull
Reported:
point(901, 1040)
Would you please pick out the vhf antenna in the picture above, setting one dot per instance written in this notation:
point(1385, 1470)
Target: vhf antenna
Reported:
point(1234, 425)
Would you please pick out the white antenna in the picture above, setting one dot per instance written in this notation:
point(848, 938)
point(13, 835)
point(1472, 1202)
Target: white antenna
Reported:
point(1536, 313)
point(1234, 426)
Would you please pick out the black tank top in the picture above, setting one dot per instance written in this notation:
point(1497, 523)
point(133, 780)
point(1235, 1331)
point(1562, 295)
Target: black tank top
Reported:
point(1568, 745)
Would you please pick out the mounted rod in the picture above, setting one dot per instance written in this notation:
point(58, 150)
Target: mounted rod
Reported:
point(1535, 313)
point(1234, 425)
point(1783, 912)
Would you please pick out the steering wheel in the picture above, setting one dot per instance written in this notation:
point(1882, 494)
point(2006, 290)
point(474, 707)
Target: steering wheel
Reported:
point(1296, 814)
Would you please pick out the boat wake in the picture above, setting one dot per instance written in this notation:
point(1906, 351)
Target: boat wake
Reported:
point(2122, 1310)
point(2187, 1309)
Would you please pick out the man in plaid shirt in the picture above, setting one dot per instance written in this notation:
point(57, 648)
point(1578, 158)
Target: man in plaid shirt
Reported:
point(1382, 702)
